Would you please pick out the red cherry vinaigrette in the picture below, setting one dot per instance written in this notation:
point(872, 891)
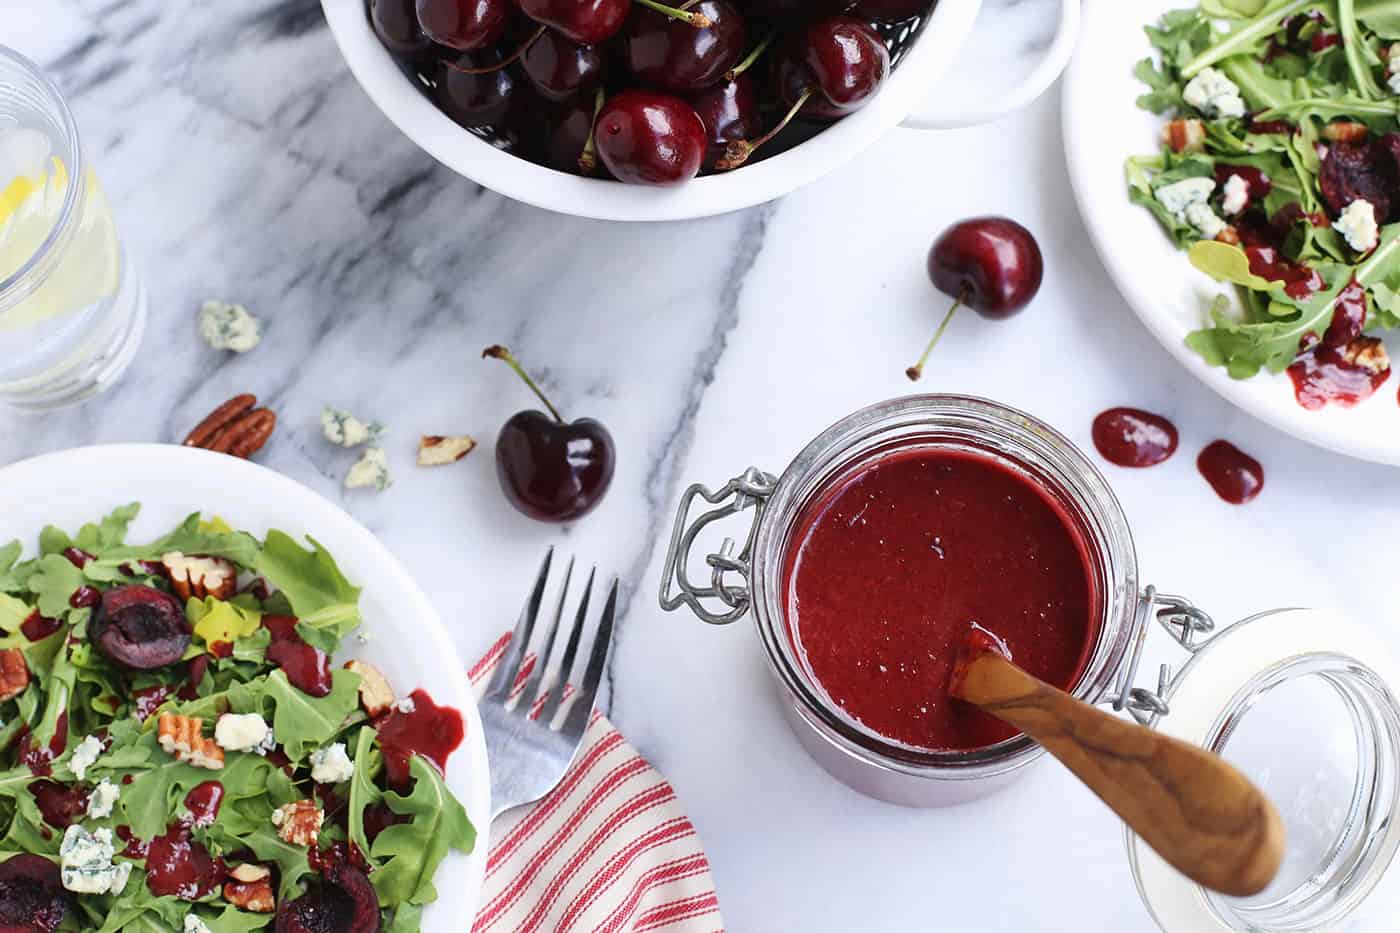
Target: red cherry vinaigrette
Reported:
point(890, 566)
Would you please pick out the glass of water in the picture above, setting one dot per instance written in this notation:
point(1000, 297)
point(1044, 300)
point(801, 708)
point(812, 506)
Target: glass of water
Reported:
point(72, 309)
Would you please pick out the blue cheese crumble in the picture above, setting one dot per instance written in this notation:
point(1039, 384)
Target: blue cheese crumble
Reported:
point(345, 430)
point(229, 327)
point(1188, 201)
point(330, 765)
point(1357, 225)
point(195, 925)
point(85, 862)
point(1235, 196)
point(84, 756)
point(372, 469)
point(102, 799)
point(243, 732)
point(1213, 94)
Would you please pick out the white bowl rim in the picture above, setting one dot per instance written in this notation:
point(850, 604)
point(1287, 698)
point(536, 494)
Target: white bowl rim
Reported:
point(342, 534)
point(433, 131)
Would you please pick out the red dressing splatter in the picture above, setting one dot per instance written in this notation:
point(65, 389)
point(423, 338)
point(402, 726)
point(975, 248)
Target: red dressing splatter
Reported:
point(1131, 437)
point(1234, 475)
point(429, 730)
point(307, 668)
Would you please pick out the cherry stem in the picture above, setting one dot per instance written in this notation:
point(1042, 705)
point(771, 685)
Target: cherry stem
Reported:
point(588, 159)
point(698, 20)
point(738, 152)
point(916, 372)
point(752, 57)
point(501, 353)
point(506, 62)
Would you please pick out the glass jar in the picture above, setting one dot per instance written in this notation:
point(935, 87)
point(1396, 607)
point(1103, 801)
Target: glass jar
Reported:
point(1300, 700)
point(752, 580)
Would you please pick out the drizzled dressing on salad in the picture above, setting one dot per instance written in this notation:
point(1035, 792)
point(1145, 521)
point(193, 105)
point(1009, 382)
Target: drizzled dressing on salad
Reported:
point(172, 736)
point(1279, 175)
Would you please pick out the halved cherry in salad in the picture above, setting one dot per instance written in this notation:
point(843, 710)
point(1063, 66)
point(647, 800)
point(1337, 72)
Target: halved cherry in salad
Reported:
point(343, 901)
point(32, 898)
point(139, 627)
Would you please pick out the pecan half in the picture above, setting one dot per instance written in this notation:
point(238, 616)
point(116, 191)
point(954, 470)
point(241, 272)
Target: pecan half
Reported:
point(1345, 131)
point(181, 737)
point(236, 427)
point(250, 888)
point(14, 674)
point(1185, 135)
point(200, 576)
point(376, 696)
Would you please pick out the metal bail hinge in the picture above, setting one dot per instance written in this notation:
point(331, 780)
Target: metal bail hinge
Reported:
point(1188, 626)
point(751, 490)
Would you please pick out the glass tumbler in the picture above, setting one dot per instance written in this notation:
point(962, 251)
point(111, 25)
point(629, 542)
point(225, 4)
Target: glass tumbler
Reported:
point(72, 309)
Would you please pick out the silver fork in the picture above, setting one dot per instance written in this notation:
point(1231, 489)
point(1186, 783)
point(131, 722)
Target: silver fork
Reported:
point(529, 757)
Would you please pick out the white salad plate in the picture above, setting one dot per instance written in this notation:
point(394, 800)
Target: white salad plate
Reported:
point(407, 639)
point(1103, 127)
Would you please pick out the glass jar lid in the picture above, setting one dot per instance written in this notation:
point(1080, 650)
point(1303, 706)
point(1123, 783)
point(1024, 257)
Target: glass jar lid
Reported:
point(1303, 702)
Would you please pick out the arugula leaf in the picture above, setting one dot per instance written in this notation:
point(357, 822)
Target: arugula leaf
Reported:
point(110, 532)
point(300, 722)
point(406, 918)
point(10, 582)
point(1232, 9)
point(290, 859)
point(190, 538)
point(414, 850)
point(1165, 93)
point(1246, 38)
point(363, 792)
point(1380, 16)
point(54, 582)
point(318, 592)
point(1356, 50)
point(13, 612)
point(233, 920)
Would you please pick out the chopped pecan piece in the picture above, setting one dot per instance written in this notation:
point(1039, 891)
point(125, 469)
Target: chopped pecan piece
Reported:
point(181, 736)
point(250, 889)
point(14, 674)
point(1368, 353)
point(1345, 131)
point(437, 450)
point(1228, 235)
point(200, 576)
point(1185, 135)
point(376, 696)
point(299, 822)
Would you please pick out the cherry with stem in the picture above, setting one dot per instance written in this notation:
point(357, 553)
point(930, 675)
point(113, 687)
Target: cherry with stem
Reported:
point(588, 159)
point(549, 469)
point(916, 372)
point(739, 151)
point(510, 59)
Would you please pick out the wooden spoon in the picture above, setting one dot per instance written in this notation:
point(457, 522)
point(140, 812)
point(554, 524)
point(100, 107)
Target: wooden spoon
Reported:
point(1197, 811)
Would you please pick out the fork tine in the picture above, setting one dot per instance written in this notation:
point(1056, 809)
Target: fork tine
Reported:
point(536, 681)
point(520, 640)
point(566, 667)
point(602, 645)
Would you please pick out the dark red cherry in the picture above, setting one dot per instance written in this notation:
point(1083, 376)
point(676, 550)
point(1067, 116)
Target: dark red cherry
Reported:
point(464, 25)
point(32, 898)
point(561, 69)
point(551, 470)
point(648, 138)
point(343, 902)
point(892, 11)
point(395, 22)
point(792, 11)
point(139, 627)
point(566, 136)
point(675, 56)
point(587, 22)
point(991, 264)
point(840, 62)
point(478, 99)
point(729, 111)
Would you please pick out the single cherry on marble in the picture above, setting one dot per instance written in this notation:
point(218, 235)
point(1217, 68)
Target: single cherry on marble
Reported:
point(993, 265)
point(549, 469)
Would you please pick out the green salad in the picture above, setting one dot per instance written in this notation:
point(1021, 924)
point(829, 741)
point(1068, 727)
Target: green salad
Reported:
point(178, 751)
point(1279, 173)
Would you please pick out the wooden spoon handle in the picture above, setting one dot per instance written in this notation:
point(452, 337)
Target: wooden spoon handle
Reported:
point(1196, 810)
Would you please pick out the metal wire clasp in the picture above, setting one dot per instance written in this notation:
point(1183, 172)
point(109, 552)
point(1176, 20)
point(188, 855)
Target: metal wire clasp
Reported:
point(1188, 626)
point(752, 489)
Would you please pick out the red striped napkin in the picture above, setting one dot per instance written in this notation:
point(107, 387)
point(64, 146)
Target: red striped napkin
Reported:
point(609, 850)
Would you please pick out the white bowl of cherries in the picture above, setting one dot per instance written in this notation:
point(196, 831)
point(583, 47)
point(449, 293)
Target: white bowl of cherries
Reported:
point(661, 109)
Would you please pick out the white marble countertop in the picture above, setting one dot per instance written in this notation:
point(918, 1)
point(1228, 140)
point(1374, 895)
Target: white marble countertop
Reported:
point(246, 165)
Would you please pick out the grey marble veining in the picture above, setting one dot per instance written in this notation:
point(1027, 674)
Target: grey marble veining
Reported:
point(245, 164)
